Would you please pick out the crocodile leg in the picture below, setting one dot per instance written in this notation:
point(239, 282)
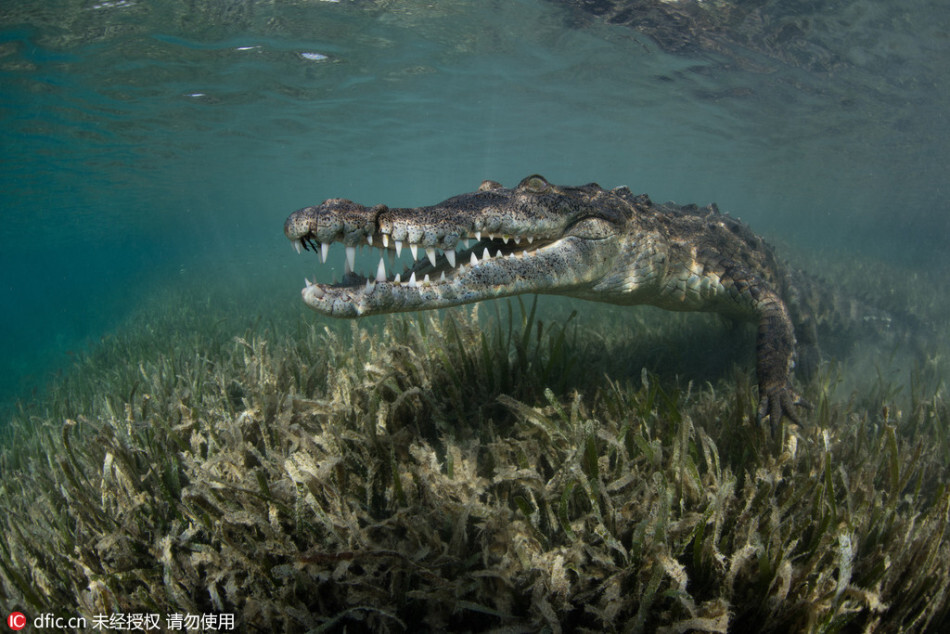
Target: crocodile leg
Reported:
point(775, 350)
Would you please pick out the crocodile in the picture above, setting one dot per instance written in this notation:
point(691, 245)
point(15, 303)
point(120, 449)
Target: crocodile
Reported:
point(586, 242)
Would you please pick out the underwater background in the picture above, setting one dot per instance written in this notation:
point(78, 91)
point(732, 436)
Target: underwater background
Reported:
point(153, 145)
point(187, 436)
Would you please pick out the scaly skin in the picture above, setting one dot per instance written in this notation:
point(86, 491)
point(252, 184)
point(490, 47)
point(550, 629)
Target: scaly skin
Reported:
point(587, 242)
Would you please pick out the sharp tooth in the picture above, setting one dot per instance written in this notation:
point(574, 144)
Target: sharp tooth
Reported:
point(474, 260)
point(462, 266)
point(414, 250)
point(398, 247)
point(530, 239)
point(397, 279)
point(312, 291)
point(324, 250)
point(425, 280)
point(350, 258)
point(369, 240)
point(485, 254)
point(442, 277)
point(385, 240)
point(466, 243)
point(298, 247)
point(431, 253)
point(412, 280)
point(370, 287)
point(478, 236)
point(491, 236)
point(307, 283)
point(505, 239)
point(381, 271)
point(450, 256)
point(499, 254)
point(517, 239)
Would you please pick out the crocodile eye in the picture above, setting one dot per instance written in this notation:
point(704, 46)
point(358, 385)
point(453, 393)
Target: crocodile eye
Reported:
point(535, 184)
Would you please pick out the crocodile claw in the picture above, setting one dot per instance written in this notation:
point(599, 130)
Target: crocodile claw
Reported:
point(778, 402)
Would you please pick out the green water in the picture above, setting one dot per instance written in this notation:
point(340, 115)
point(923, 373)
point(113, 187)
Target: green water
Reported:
point(147, 146)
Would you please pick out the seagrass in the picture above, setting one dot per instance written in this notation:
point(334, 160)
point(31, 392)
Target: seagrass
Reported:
point(509, 468)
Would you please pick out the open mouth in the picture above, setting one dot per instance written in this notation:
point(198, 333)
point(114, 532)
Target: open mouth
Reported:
point(426, 266)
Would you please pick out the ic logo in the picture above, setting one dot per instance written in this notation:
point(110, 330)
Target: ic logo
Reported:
point(16, 620)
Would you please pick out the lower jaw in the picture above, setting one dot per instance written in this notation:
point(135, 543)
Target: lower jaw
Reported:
point(383, 297)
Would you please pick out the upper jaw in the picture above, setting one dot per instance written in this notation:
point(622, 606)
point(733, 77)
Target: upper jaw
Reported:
point(439, 242)
point(437, 227)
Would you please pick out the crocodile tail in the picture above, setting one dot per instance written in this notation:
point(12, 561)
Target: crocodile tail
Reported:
point(829, 322)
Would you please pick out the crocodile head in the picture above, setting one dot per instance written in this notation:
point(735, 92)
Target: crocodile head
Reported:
point(494, 242)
